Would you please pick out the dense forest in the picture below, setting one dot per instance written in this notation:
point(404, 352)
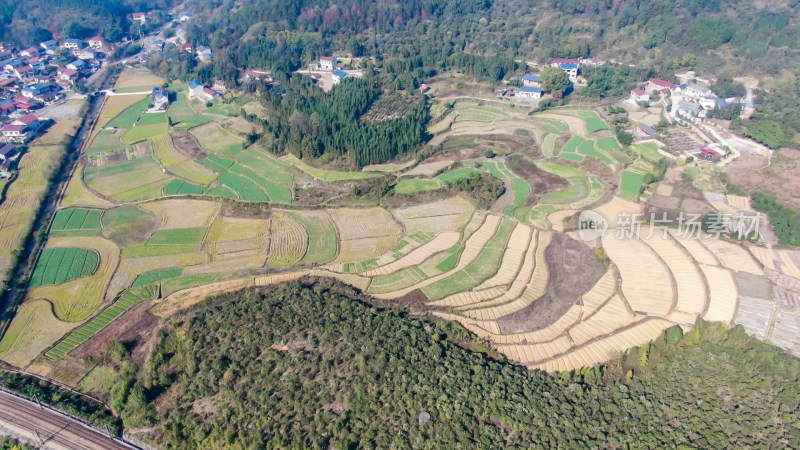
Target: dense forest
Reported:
point(308, 122)
point(313, 364)
point(784, 220)
point(31, 22)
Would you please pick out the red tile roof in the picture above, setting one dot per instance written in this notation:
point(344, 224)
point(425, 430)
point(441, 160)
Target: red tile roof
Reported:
point(12, 128)
point(327, 58)
point(209, 91)
point(7, 106)
point(639, 91)
point(663, 83)
point(27, 119)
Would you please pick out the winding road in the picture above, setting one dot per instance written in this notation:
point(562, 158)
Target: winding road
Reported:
point(48, 429)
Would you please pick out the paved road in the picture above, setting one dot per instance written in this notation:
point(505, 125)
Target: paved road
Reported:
point(26, 419)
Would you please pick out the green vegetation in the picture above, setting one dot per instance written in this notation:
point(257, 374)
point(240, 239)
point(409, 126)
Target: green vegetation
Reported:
point(156, 275)
point(124, 215)
point(246, 189)
point(61, 398)
point(631, 185)
point(76, 221)
point(81, 334)
point(412, 186)
point(482, 187)
point(130, 115)
point(401, 279)
point(587, 148)
point(649, 151)
point(767, 132)
point(216, 163)
point(784, 220)
point(178, 236)
point(62, 264)
point(594, 124)
point(181, 187)
point(457, 174)
point(522, 189)
point(182, 114)
point(608, 143)
point(380, 363)
point(156, 250)
point(555, 81)
point(451, 260)
point(176, 284)
point(483, 267)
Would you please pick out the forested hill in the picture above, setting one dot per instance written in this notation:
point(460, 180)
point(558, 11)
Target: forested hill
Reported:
point(740, 34)
point(314, 365)
point(30, 22)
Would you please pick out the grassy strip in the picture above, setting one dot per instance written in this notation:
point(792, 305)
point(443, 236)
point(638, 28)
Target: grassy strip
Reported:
point(156, 275)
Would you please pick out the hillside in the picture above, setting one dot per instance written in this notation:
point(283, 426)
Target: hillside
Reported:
point(315, 365)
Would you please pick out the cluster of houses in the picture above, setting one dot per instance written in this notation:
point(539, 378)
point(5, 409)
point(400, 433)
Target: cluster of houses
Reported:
point(531, 86)
point(197, 91)
point(690, 99)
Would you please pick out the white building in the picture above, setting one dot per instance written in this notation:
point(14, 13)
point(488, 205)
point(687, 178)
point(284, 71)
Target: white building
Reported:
point(528, 92)
point(328, 63)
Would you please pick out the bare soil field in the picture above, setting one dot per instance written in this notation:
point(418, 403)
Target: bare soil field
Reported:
point(541, 181)
point(134, 329)
point(574, 270)
point(186, 144)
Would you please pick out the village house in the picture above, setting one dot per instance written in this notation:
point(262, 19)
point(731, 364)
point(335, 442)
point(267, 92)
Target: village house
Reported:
point(10, 65)
point(187, 47)
point(647, 130)
point(21, 130)
point(8, 153)
point(591, 62)
point(49, 45)
point(328, 63)
point(531, 80)
point(96, 42)
point(219, 86)
point(424, 88)
point(557, 62)
point(65, 74)
point(73, 44)
point(199, 92)
point(691, 109)
point(658, 85)
point(339, 75)
point(160, 100)
point(204, 53)
point(696, 91)
point(78, 65)
point(36, 90)
point(528, 92)
point(139, 17)
point(29, 52)
point(24, 73)
point(571, 71)
point(85, 54)
point(7, 107)
point(250, 74)
point(639, 95)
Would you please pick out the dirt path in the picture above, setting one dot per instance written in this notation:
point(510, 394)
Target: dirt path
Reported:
point(49, 429)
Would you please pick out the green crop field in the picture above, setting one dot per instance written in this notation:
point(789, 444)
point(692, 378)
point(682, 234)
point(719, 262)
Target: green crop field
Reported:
point(59, 265)
point(178, 236)
point(181, 187)
point(186, 281)
point(608, 143)
point(245, 188)
point(126, 301)
point(401, 279)
point(105, 140)
point(587, 148)
point(216, 163)
point(451, 260)
point(147, 131)
point(571, 156)
point(222, 191)
point(560, 170)
point(496, 169)
point(457, 174)
point(572, 145)
point(143, 251)
point(152, 119)
point(649, 151)
point(411, 186)
point(549, 145)
point(594, 124)
point(136, 179)
point(326, 175)
point(129, 116)
point(479, 270)
point(276, 191)
point(183, 115)
point(266, 166)
point(553, 126)
point(77, 219)
point(631, 185)
point(156, 275)
point(522, 189)
point(124, 215)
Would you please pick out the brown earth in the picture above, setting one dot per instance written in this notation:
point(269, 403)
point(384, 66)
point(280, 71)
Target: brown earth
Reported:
point(750, 285)
point(142, 149)
point(574, 269)
point(779, 178)
point(186, 144)
point(540, 181)
point(134, 329)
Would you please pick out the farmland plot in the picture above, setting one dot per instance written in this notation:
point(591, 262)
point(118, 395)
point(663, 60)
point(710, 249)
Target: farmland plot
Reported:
point(364, 233)
point(59, 265)
point(323, 241)
point(33, 329)
point(215, 139)
point(288, 240)
point(445, 215)
point(183, 213)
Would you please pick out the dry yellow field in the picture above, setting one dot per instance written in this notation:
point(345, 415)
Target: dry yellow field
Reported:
point(112, 108)
point(690, 286)
point(33, 330)
point(733, 256)
point(236, 228)
point(185, 298)
point(723, 295)
point(58, 132)
point(364, 233)
point(417, 256)
point(130, 268)
point(130, 78)
point(183, 213)
point(288, 240)
point(77, 194)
